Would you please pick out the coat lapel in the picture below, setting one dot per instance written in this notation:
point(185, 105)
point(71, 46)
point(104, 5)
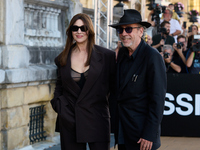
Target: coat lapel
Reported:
point(93, 74)
point(71, 84)
point(136, 65)
point(119, 59)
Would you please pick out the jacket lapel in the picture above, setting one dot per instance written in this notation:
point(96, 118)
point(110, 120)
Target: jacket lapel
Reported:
point(93, 73)
point(71, 84)
point(119, 59)
point(137, 64)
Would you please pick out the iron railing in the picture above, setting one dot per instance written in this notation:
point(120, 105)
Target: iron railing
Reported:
point(36, 126)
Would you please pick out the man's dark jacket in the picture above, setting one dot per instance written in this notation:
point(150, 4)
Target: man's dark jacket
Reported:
point(141, 96)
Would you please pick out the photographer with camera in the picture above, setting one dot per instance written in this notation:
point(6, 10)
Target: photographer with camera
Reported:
point(192, 30)
point(163, 38)
point(193, 61)
point(154, 16)
point(172, 64)
point(175, 28)
point(181, 51)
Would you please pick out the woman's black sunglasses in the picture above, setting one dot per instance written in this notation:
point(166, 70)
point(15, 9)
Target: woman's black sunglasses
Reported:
point(75, 28)
point(127, 29)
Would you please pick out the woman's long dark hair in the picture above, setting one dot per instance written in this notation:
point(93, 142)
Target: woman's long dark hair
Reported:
point(91, 39)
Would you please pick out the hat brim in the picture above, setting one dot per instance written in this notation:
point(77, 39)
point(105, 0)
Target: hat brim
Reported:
point(146, 24)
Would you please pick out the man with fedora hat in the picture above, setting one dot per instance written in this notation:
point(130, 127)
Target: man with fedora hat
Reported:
point(141, 87)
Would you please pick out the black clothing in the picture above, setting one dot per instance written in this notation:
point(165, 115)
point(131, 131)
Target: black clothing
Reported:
point(83, 114)
point(79, 78)
point(141, 96)
point(71, 144)
point(176, 60)
point(126, 63)
point(181, 63)
point(195, 68)
point(157, 38)
point(190, 39)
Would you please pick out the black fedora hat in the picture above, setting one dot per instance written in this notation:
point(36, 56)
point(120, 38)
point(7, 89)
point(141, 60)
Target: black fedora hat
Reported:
point(131, 16)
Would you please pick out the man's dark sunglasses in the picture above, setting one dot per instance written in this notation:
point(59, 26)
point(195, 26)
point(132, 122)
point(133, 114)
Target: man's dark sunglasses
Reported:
point(75, 28)
point(127, 29)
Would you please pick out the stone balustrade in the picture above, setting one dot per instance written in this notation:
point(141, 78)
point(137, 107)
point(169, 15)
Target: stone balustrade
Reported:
point(41, 26)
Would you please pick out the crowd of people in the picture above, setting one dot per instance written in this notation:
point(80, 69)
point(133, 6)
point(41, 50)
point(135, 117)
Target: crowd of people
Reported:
point(132, 81)
point(178, 46)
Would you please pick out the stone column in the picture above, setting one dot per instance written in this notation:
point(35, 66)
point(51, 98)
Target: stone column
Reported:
point(75, 8)
point(1, 22)
point(0, 120)
point(14, 57)
point(2, 40)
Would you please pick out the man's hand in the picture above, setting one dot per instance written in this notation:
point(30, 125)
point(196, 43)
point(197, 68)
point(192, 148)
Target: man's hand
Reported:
point(144, 144)
point(168, 60)
point(162, 42)
point(174, 46)
point(178, 50)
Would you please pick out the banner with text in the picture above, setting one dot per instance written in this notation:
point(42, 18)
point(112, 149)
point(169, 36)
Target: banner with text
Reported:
point(182, 106)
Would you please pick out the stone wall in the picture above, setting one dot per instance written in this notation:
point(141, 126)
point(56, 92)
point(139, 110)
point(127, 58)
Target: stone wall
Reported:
point(15, 105)
point(32, 34)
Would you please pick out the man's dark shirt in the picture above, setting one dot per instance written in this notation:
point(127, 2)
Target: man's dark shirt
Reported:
point(126, 63)
point(181, 63)
point(176, 61)
point(157, 38)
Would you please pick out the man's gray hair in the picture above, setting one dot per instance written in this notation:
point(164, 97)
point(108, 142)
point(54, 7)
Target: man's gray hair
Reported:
point(167, 46)
point(145, 30)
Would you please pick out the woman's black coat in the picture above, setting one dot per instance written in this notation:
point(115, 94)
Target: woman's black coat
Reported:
point(86, 111)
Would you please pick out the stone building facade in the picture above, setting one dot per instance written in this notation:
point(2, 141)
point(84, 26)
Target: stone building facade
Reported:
point(32, 34)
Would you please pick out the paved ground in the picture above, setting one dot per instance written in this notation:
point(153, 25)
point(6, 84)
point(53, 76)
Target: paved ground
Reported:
point(168, 143)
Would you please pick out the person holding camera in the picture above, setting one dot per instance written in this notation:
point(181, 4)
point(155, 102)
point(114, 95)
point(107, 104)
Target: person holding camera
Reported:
point(172, 64)
point(193, 61)
point(163, 38)
point(175, 28)
point(181, 52)
point(192, 30)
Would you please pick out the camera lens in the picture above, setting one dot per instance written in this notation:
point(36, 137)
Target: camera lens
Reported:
point(166, 55)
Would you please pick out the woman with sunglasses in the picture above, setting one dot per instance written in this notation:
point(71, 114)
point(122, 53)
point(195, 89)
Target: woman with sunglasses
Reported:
point(85, 73)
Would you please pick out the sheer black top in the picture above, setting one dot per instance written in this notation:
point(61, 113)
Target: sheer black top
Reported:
point(79, 78)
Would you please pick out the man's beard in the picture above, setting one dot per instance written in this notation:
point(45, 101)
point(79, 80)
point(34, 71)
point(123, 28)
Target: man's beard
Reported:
point(167, 32)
